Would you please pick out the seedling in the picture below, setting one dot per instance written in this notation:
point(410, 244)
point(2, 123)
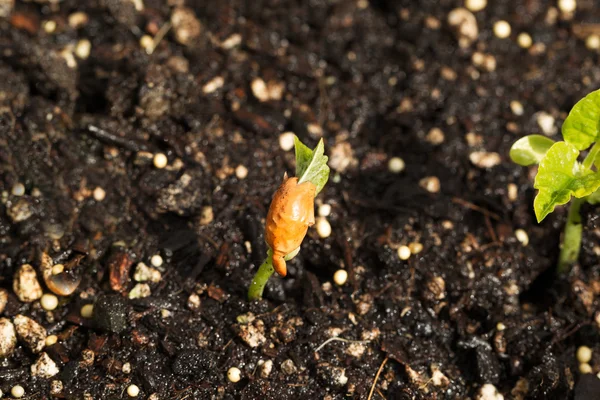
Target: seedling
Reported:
point(291, 213)
point(561, 177)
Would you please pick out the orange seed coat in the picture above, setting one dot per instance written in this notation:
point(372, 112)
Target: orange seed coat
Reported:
point(292, 211)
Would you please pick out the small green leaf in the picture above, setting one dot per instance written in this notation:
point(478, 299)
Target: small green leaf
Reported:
point(582, 126)
point(561, 176)
point(594, 198)
point(311, 165)
point(530, 149)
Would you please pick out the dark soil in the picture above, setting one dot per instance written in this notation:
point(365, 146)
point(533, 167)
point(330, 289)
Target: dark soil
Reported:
point(372, 78)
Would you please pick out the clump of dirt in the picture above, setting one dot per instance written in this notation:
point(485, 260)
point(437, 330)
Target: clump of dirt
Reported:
point(139, 150)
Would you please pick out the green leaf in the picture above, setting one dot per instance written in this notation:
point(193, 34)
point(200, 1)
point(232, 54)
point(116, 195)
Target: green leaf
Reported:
point(530, 149)
point(561, 176)
point(311, 165)
point(582, 126)
point(594, 198)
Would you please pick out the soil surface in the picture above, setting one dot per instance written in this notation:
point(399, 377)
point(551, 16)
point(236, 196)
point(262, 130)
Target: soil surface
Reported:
point(91, 91)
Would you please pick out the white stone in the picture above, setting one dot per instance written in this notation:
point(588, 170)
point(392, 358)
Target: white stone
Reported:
point(484, 159)
point(144, 273)
point(475, 5)
point(30, 332)
point(160, 160)
point(99, 194)
point(524, 40)
point(140, 291)
point(522, 237)
point(404, 253)
point(18, 189)
point(49, 302)
point(324, 210)
point(323, 227)
point(83, 49)
point(87, 311)
point(133, 391)
point(259, 89)
point(241, 172)
point(489, 392)
point(17, 391)
point(44, 367)
point(25, 284)
point(517, 107)
point(396, 165)
point(546, 123)
point(430, 184)
point(340, 277)
point(592, 42)
point(286, 141)
point(584, 354)
point(567, 6)
point(213, 85)
point(156, 261)
point(234, 374)
point(8, 337)
point(502, 29)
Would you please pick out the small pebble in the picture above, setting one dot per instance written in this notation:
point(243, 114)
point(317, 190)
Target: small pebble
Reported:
point(126, 368)
point(524, 40)
point(78, 19)
point(8, 337)
point(516, 107)
point(156, 260)
point(286, 141)
point(415, 247)
point(17, 391)
point(500, 326)
point(266, 369)
point(186, 26)
point(502, 29)
point(213, 85)
point(26, 285)
point(585, 368)
point(340, 277)
point(546, 122)
point(18, 189)
point(241, 172)
point(87, 311)
point(83, 49)
point(49, 302)
point(234, 374)
point(324, 210)
point(522, 237)
point(435, 136)
point(56, 387)
point(465, 26)
point(160, 160)
point(51, 340)
point(133, 391)
point(592, 42)
point(259, 89)
point(484, 159)
point(57, 269)
point(323, 228)
point(99, 194)
point(584, 354)
point(512, 191)
point(396, 165)
point(147, 43)
point(567, 6)
point(404, 252)
point(49, 26)
point(475, 5)
point(430, 184)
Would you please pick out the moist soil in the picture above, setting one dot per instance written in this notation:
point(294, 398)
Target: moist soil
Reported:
point(212, 86)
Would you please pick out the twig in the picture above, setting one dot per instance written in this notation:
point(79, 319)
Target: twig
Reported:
point(333, 339)
point(159, 36)
point(475, 207)
point(377, 378)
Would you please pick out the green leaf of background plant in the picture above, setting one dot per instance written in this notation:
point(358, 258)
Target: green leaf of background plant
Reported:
point(530, 149)
point(594, 198)
point(559, 177)
point(582, 126)
point(311, 165)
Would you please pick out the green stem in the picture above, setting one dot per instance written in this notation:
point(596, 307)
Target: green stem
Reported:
point(591, 157)
point(261, 278)
point(569, 252)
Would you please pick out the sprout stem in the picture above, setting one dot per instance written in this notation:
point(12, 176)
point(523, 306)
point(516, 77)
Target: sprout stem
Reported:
point(569, 252)
point(261, 278)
